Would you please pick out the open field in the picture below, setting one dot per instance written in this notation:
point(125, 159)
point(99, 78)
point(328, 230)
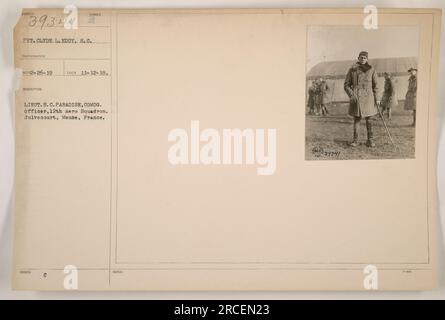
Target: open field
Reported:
point(327, 137)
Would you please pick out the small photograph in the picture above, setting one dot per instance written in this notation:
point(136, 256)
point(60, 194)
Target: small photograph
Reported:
point(361, 88)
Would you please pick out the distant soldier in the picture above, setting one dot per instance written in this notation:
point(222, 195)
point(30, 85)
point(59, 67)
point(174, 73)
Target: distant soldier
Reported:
point(361, 87)
point(317, 97)
point(311, 97)
point(411, 94)
point(389, 97)
point(322, 96)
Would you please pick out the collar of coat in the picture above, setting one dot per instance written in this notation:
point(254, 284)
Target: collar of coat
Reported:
point(363, 67)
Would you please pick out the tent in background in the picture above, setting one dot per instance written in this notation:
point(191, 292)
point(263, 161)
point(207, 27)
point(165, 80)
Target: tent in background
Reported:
point(334, 72)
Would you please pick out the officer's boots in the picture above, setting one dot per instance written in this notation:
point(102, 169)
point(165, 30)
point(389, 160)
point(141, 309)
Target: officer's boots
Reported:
point(354, 142)
point(369, 143)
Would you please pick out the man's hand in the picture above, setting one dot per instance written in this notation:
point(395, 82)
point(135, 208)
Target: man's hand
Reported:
point(353, 98)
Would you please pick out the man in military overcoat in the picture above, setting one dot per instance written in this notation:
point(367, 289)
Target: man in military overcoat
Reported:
point(389, 97)
point(361, 87)
point(312, 92)
point(411, 94)
point(323, 96)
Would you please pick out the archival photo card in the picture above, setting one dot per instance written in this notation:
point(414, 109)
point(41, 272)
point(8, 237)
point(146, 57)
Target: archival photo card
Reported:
point(176, 150)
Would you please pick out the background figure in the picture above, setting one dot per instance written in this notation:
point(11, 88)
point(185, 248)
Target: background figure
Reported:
point(389, 97)
point(317, 99)
point(322, 96)
point(411, 94)
point(311, 98)
point(361, 87)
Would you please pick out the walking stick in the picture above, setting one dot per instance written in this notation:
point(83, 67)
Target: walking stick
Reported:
point(384, 124)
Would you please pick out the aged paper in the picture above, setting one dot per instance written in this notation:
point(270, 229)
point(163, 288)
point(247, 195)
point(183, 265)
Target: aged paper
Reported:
point(129, 174)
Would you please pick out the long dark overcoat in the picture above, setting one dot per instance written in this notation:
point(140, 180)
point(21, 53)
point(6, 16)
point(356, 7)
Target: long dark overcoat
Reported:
point(411, 94)
point(389, 97)
point(311, 97)
point(322, 93)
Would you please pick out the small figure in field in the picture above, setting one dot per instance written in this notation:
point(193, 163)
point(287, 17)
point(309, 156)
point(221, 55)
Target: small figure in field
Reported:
point(389, 97)
point(312, 97)
point(322, 88)
point(411, 94)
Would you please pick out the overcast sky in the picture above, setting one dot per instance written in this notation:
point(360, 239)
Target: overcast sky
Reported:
point(327, 43)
